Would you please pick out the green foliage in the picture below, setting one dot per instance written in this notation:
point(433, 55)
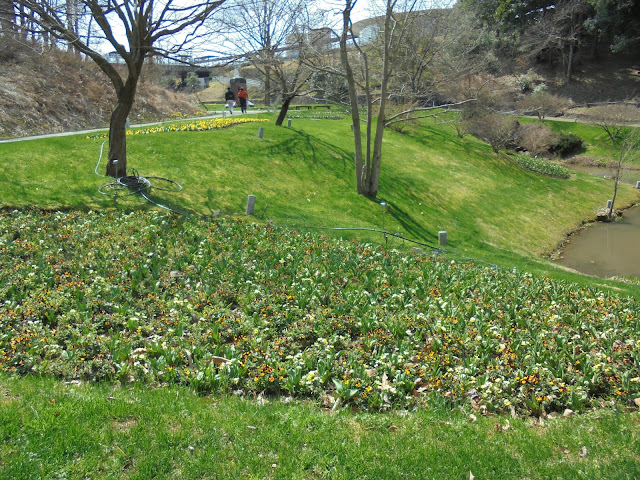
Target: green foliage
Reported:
point(192, 80)
point(540, 88)
point(566, 144)
point(525, 84)
point(540, 165)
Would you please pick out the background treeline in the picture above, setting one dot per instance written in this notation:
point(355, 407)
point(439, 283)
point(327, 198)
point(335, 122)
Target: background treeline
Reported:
point(559, 32)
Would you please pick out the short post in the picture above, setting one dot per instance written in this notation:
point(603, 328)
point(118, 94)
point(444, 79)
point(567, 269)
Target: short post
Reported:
point(442, 238)
point(260, 132)
point(127, 123)
point(638, 184)
point(383, 205)
point(289, 123)
point(115, 192)
point(251, 204)
point(224, 114)
point(609, 203)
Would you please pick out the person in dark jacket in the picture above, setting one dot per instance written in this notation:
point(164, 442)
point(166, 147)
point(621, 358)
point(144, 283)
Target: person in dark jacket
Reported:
point(230, 99)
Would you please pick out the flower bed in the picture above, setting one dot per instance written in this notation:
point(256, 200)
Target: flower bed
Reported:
point(545, 167)
point(231, 306)
point(193, 126)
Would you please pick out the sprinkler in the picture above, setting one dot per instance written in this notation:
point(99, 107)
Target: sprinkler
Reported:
point(384, 210)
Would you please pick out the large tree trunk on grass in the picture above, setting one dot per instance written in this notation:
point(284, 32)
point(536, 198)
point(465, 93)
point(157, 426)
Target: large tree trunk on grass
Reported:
point(118, 130)
point(143, 31)
point(284, 109)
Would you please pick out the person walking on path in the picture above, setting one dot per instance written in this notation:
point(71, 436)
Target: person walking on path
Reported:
point(243, 97)
point(231, 100)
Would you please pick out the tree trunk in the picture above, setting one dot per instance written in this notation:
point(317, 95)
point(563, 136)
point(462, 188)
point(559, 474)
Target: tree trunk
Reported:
point(118, 130)
point(71, 24)
point(284, 109)
point(570, 61)
point(353, 98)
point(267, 86)
point(374, 162)
point(7, 18)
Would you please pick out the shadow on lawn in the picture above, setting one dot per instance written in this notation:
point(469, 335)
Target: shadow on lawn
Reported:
point(305, 146)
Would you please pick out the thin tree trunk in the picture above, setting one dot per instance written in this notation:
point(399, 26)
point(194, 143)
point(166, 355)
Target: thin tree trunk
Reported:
point(376, 160)
point(353, 97)
point(570, 60)
point(267, 86)
point(615, 187)
point(7, 18)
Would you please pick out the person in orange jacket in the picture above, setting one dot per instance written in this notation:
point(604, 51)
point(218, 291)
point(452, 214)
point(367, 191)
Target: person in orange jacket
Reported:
point(243, 98)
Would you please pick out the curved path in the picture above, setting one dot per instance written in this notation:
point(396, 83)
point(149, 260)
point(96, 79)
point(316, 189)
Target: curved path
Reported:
point(140, 125)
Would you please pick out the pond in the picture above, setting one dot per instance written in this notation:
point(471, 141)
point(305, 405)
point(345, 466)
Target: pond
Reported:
point(606, 249)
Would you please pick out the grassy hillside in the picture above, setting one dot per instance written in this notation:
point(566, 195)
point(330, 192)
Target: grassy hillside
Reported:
point(303, 177)
point(215, 345)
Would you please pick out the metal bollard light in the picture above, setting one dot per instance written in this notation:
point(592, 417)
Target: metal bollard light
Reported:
point(251, 204)
point(442, 238)
point(260, 132)
point(115, 192)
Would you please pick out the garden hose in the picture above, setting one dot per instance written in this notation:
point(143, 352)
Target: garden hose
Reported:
point(136, 184)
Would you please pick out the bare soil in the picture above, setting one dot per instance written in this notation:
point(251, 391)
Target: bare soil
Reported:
point(55, 91)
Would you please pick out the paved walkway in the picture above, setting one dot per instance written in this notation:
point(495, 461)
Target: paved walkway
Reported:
point(140, 125)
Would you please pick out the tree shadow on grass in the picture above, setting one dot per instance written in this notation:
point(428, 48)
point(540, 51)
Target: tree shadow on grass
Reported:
point(413, 229)
point(435, 138)
point(305, 147)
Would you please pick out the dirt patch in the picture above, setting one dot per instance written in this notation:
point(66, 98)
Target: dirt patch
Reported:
point(125, 424)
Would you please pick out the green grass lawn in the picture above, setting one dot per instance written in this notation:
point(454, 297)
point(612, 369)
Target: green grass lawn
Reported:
point(304, 176)
point(139, 344)
point(101, 431)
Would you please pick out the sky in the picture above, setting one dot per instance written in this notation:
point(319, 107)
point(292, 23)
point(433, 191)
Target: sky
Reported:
point(364, 9)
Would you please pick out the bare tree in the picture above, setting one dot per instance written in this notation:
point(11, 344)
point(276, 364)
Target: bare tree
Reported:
point(629, 149)
point(542, 103)
point(374, 77)
point(559, 31)
point(612, 119)
point(494, 128)
point(262, 31)
point(144, 25)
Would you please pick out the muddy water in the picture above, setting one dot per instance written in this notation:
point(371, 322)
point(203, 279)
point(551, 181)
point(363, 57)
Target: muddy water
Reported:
point(606, 249)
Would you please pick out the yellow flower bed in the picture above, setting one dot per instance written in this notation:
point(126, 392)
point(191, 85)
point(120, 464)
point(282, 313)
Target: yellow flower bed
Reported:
point(193, 126)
